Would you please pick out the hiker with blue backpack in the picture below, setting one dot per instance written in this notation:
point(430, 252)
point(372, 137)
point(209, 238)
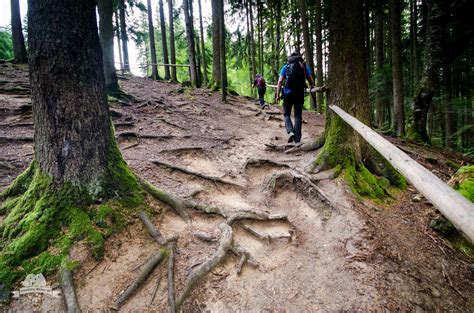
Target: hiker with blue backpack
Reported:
point(259, 82)
point(295, 73)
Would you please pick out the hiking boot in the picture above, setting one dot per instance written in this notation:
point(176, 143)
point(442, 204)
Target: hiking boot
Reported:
point(291, 137)
point(263, 106)
point(299, 143)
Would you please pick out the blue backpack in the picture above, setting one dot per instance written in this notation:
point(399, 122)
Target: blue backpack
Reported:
point(295, 74)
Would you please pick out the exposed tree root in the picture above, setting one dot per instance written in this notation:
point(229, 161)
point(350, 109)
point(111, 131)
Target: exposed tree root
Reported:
point(283, 147)
point(124, 124)
point(172, 124)
point(258, 162)
point(180, 149)
point(225, 243)
point(264, 237)
point(171, 289)
point(147, 269)
point(130, 146)
point(158, 280)
point(191, 172)
point(152, 230)
point(67, 286)
point(4, 139)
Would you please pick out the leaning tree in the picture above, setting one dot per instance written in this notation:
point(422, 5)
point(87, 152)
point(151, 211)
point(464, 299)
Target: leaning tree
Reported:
point(343, 148)
point(76, 161)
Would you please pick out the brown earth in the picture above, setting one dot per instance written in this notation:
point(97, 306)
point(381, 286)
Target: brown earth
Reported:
point(351, 255)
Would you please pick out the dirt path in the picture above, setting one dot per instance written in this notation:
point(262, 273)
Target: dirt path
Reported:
point(345, 257)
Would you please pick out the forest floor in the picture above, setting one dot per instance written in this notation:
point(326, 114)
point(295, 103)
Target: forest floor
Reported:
point(343, 254)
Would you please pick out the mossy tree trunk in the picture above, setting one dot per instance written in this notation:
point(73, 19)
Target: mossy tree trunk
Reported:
point(347, 78)
point(106, 30)
point(77, 161)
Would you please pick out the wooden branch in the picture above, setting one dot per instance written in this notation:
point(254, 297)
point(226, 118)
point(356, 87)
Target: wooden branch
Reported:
point(457, 209)
point(147, 269)
point(202, 270)
point(191, 172)
point(67, 286)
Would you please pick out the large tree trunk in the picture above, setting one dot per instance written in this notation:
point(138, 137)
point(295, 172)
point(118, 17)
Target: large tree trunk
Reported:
point(163, 40)
point(319, 54)
point(106, 31)
point(222, 50)
point(203, 47)
point(397, 69)
point(151, 33)
point(172, 46)
point(190, 40)
point(197, 50)
point(19, 50)
point(430, 79)
point(216, 56)
point(381, 98)
point(123, 33)
point(308, 51)
point(349, 90)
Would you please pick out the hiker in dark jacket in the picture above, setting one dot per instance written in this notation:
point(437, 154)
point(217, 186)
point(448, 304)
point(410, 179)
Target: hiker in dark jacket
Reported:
point(295, 73)
point(259, 82)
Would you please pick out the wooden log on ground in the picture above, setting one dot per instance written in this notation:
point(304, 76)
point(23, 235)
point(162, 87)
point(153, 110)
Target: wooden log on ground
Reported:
point(67, 286)
point(457, 209)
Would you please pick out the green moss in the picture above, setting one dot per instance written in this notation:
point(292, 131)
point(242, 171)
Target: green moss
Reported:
point(453, 164)
point(466, 188)
point(466, 169)
point(464, 184)
point(461, 244)
point(45, 220)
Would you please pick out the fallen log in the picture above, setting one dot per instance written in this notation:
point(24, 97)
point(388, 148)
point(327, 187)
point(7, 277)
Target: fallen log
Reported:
point(457, 209)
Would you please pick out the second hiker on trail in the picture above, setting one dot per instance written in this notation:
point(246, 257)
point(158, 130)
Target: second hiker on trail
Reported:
point(295, 73)
point(259, 82)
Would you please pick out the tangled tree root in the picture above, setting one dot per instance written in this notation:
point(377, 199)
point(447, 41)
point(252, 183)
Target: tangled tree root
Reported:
point(67, 286)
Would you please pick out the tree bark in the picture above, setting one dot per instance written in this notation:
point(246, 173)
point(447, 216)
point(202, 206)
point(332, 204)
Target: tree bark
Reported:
point(106, 31)
point(123, 33)
point(216, 57)
point(172, 45)
point(430, 79)
point(367, 34)
point(72, 124)
point(397, 67)
point(151, 34)
point(190, 40)
point(319, 55)
point(252, 42)
point(414, 72)
point(19, 50)
point(203, 47)
point(164, 44)
point(222, 50)
point(308, 51)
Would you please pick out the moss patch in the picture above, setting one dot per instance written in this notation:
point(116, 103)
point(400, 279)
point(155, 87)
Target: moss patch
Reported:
point(45, 220)
point(463, 181)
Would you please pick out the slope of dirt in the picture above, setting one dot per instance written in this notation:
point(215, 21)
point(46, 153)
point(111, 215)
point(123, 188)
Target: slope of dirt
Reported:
point(348, 256)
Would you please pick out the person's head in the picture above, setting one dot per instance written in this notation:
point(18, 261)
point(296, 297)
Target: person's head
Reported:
point(295, 54)
point(258, 76)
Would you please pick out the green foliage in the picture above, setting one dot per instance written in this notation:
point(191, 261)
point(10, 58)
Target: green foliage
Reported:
point(6, 46)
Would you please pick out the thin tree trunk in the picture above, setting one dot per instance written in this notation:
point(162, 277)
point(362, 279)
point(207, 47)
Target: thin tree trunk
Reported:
point(367, 34)
point(252, 44)
point(308, 51)
point(190, 40)
point(164, 44)
point(222, 50)
point(19, 50)
point(414, 72)
point(249, 46)
point(397, 69)
point(151, 33)
point(203, 47)
point(106, 31)
point(123, 32)
point(381, 104)
point(319, 54)
point(216, 57)
point(430, 80)
point(260, 33)
point(172, 46)
point(276, 67)
point(117, 31)
point(197, 52)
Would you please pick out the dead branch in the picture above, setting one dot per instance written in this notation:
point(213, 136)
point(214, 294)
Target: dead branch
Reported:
point(225, 243)
point(191, 172)
point(67, 286)
point(147, 269)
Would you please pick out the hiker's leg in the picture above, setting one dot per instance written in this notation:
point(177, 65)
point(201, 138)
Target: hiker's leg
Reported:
point(298, 117)
point(261, 93)
point(287, 105)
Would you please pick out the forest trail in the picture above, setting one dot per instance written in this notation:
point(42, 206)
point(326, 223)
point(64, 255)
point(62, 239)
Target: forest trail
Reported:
point(348, 256)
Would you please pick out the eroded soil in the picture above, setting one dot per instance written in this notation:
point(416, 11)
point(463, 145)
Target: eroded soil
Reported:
point(344, 256)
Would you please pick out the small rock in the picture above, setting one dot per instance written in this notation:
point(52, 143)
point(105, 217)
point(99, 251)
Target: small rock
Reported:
point(417, 198)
